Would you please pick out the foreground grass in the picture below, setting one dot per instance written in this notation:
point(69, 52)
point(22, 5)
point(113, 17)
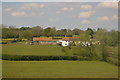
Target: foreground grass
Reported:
point(58, 69)
point(19, 49)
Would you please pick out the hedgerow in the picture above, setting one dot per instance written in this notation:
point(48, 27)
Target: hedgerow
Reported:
point(40, 58)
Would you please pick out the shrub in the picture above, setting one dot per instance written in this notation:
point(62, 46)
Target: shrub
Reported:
point(113, 61)
point(83, 51)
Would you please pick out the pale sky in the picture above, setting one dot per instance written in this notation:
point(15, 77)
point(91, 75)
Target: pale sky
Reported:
point(61, 14)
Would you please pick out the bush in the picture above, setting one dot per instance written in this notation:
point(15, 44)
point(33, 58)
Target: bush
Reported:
point(113, 61)
point(83, 51)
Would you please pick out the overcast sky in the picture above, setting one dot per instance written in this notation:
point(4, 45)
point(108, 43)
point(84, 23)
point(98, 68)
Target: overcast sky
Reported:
point(61, 15)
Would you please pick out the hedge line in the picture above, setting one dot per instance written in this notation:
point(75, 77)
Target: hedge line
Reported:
point(40, 58)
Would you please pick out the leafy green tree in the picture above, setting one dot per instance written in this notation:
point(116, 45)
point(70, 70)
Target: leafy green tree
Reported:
point(69, 32)
point(108, 38)
point(85, 36)
point(101, 35)
point(47, 31)
point(91, 32)
point(62, 32)
point(36, 31)
point(76, 31)
point(53, 32)
point(25, 28)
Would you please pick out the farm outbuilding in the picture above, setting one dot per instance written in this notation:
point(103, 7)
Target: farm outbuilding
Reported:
point(44, 40)
point(63, 43)
point(49, 40)
point(67, 40)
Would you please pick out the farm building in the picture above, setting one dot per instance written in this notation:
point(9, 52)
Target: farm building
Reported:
point(63, 42)
point(67, 40)
point(44, 40)
point(48, 40)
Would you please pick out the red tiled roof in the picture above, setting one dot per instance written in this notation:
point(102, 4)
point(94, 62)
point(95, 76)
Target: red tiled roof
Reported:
point(69, 38)
point(42, 39)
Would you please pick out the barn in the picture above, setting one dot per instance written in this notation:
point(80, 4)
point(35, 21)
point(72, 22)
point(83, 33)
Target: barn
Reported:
point(44, 40)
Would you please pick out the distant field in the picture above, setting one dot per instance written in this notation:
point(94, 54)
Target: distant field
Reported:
point(22, 49)
point(56, 69)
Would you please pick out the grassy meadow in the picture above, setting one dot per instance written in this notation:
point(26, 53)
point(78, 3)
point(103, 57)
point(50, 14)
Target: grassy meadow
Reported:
point(52, 69)
point(58, 69)
point(22, 49)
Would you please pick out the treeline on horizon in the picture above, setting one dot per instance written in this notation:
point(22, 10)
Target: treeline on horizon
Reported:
point(38, 31)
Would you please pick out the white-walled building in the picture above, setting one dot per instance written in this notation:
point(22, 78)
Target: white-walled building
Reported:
point(64, 43)
point(67, 40)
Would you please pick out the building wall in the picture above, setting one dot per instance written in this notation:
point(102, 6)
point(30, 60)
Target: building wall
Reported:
point(45, 42)
point(65, 43)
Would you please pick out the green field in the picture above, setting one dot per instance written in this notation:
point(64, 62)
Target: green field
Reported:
point(52, 69)
point(58, 69)
point(22, 49)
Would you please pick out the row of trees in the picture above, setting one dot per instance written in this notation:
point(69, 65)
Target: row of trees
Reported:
point(37, 31)
point(105, 37)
